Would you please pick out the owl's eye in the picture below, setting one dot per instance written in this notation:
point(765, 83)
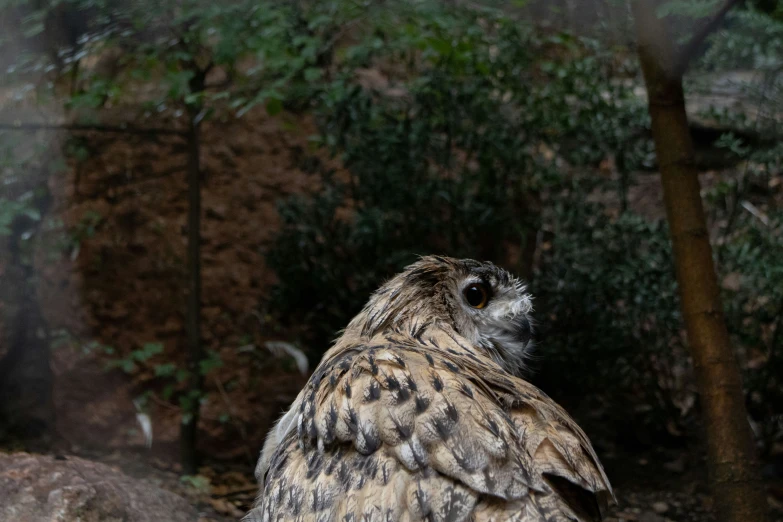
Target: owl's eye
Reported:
point(476, 295)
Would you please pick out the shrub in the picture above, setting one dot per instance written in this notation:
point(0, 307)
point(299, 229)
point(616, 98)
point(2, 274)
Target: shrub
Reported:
point(470, 118)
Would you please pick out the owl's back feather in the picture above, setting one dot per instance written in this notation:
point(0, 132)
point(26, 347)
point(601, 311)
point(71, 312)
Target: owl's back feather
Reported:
point(412, 425)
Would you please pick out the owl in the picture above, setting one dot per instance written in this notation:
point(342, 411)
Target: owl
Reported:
point(418, 412)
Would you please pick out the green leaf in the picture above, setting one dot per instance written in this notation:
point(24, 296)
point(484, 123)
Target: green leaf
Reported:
point(168, 391)
point(312, 74)
point(182, 375)
point(33, 24)
point(126, 365)
point(197, 482)
point(211, 362)
point(274, 106)
point(33, 213)
point(147, 351)
point(165, 370)
point(440, 45)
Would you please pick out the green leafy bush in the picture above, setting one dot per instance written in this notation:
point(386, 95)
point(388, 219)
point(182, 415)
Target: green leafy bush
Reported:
point(450, 126)
point(607, 301)
point(754, 40)
point(466, 133)
point(750, 250)
point(755, 312)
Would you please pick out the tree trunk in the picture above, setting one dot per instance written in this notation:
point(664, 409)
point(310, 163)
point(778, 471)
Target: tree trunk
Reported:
point(191, 409)
point(738, 492)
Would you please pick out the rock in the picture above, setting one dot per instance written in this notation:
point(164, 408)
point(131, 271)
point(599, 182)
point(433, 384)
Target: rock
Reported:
point(649, 516)
point(734, 91)
point(38, 488)
point(676, 466)
point(660, 507)
point(732, 282)
point(218, 212)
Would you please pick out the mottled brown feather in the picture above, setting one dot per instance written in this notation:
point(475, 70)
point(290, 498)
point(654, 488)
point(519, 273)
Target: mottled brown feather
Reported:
point(394, 426)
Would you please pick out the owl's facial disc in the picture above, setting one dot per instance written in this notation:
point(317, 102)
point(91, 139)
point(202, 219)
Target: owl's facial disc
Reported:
point(498, 318)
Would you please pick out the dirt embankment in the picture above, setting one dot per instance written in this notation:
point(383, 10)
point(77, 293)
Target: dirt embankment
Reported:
point(115, 276)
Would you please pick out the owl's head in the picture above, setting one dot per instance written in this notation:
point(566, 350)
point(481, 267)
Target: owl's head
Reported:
point(480, 301)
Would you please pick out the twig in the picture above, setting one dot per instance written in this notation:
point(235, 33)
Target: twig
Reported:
point(240, 489)
point(165, 404)
point(758, 214)
point(240, 427)
point(686, 53)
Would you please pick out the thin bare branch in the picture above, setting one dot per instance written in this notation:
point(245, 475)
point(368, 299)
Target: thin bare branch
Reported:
point(688, 51)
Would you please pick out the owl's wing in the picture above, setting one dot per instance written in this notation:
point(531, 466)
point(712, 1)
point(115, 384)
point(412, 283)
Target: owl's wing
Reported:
point(419, 428)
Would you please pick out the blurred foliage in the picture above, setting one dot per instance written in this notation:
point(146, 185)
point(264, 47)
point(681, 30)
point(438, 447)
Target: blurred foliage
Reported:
point(607, 299)
point(689, 9)
point(24, 198)
point(255, 50)
point(753, 39)
point(755, 309)
point(450, 123)
point(750, 250)
point(467, 133)
point(750, 225)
